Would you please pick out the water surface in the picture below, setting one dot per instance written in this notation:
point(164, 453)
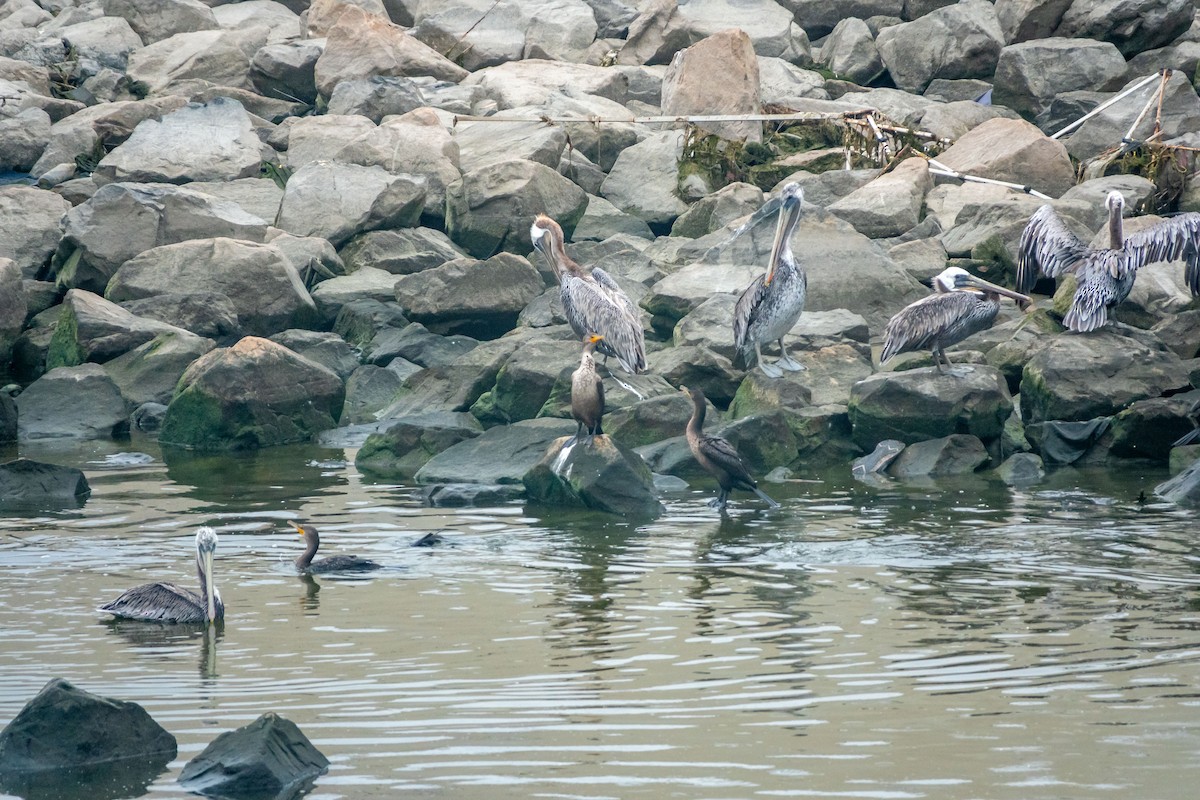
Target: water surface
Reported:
point(952, 640)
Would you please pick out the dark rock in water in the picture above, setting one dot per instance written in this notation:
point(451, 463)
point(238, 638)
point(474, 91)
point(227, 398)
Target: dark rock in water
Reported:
point(671, 457)
point(148, 417)
point(460, 495)
point(877, 460)
point(951, 455)
point(1184, 488)
point(270, 757)
point(1021, 469)
point(8, 418)
point(407, 443)
point(64, 727)
point(501, 455)
point(764, 441)
point(254, 394)
point(1066, 442)
point(922, 404)
point(600, 474)
point(28, 483)
point(1148, 428)
point(652, 420)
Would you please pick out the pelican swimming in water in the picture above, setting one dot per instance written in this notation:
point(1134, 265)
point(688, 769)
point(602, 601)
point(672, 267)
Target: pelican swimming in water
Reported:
point(718, 457)
point(961, 305)
point(1105, 275)
point(166, 602)
point(304, 562)
point(773, 302)
point(587, 393)
point(592, 300)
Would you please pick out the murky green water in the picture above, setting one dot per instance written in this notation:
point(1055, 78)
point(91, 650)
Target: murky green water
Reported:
point(962, 640)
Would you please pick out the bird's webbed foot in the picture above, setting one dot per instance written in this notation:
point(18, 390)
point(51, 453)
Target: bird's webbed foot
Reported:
point(716, 502)
point(790, 364)
point(770, 370)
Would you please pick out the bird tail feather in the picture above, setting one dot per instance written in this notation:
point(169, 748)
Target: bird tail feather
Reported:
point(1192, 437)
point(765, 498)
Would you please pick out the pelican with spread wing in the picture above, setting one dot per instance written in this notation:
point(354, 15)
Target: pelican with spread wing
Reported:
point(1104, 275)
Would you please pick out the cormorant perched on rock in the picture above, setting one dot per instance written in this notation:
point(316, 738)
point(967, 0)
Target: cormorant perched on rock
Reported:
point(587, 393)
point(718, 457)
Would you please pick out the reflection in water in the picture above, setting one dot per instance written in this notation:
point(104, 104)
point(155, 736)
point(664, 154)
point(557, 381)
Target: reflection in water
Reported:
point(955, 640)
point(127, 778)
point(167, 641)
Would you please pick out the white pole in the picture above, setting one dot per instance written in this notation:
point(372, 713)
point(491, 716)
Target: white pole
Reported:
point(1103, 106)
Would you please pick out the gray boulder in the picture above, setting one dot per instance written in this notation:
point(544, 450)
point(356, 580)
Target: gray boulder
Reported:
point(782, 83)
point(958, 41)
point(149, 373)
point(211, 315)
point(104, 125)
point(270, 757)
point(1022, 20)
point(644, 179)
point(31, 224)
point(173, 64)
point(23, 139)
point(154, 21)
point(502, 455)
point(370, 389)
point(472, 37)
point(367, 283)
point(1085, 377)
point(956, 454)
point(1030, 74)
point(889, 205)
point(27, 484)
point(819, 17)
point(66, 729)
point(850, 52)
point(1016, 151)
point(1021, 470)
point(287, 70)
point(482, 144)
point(717, 210)
point(254, 394)
point(478, 298)
point(651, 420)
point(102, 42)
point(124, 220)
point(921, 404)
point(601, 474)
point(72, 402)
point(399, 252)
point(403, 447)
point(94, 329)
point(483, 209)
point(666, 27)
point(327, 349)
point(526, 383)
point(1133, 27)
point(375, 97)
point(416, 344)
point(1147, 428)
point(336, 201)
point(263, 286)
point(360, 320)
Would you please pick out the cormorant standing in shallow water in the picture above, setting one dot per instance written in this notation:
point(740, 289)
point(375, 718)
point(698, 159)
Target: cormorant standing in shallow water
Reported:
point(717, 456)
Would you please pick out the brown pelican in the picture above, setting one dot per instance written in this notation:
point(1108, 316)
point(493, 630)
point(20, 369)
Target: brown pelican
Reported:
point(1105, 275)
point(587, 393)
point(304, 562)
point(962, 305)
point(592, 300)
point(166, 602)
point(773, 302)
point(718, 457)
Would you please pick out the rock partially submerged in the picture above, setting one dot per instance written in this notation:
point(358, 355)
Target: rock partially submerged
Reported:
point(65, 729)
point(600, 474)
point(34, 484)
point(270, 757)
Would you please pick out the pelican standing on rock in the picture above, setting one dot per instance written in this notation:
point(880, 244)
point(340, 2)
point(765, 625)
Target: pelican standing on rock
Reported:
point(592, 300)
point(772, 303)
point(304, 562)
point(718, 457)
point(962, 305)
point(587, 393)
point(166, 602)
point(1105, 275)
